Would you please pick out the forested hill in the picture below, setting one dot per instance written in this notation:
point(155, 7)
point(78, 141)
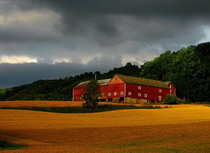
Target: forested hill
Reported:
point(60, 89)
point(188, 69)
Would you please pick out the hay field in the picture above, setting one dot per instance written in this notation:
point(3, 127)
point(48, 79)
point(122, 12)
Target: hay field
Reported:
point(47, 103)
point(40, 104)
point(180, 129)
point(66, 104)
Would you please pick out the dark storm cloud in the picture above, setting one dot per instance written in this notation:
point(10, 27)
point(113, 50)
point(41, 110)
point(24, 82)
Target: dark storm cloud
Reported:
point(101, 20)
point(12, 35)
point(84, 30)
point(131, 7)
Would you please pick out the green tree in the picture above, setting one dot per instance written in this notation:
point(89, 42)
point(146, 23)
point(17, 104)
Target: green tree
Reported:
point(188, 69)
point(91, 94)
point(159, 68)
point(171, 99)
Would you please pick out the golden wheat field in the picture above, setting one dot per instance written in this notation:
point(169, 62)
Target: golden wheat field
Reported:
point(64, 104)
point(184, 128)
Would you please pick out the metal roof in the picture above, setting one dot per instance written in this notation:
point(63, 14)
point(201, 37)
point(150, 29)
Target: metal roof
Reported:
point(101, 82)
point(132, 80)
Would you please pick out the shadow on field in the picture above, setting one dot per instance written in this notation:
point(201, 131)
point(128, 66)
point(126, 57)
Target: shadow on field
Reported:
point(4, 145)
point(99, 108)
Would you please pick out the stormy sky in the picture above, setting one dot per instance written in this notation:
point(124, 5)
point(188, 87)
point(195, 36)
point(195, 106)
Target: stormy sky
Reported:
point(46, 39)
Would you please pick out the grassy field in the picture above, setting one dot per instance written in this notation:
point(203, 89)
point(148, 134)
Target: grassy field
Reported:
point(183, 128)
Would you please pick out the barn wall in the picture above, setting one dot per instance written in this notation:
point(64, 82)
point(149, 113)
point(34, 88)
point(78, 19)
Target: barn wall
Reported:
point(78, 92)
point(172, 89)
point(135, 100)
point(115, 90)
point(105, 90)
point(153, 93)
point(115, 80)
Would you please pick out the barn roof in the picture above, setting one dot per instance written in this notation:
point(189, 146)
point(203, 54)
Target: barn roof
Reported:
point(101, 82)
point(143, 81)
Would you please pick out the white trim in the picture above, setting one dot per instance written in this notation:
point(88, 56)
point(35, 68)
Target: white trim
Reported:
point(159, 98)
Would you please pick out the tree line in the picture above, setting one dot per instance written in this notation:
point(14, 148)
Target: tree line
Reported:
point(188, 69)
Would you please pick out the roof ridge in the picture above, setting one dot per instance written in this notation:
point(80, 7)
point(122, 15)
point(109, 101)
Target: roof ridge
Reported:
point(141, 78)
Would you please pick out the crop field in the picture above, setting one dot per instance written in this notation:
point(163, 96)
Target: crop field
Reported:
point(39, 104)
point(182, 128)
point(65, 104)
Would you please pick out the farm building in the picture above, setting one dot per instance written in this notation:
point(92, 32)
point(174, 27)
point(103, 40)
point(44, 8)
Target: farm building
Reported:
point(122, 88)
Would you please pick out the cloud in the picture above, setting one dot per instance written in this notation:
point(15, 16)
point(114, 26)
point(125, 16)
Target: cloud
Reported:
point(17, 59)
point(96, 11)
point(62, 60)
point(112, 22)
point(129, 59)
point(29, 26)
point(97, 33)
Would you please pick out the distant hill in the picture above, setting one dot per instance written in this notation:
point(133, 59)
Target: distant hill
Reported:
point(188, 69)
point(60, 89)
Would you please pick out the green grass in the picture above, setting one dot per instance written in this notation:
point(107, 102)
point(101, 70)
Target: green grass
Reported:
point(101, 108)
point(6, 145)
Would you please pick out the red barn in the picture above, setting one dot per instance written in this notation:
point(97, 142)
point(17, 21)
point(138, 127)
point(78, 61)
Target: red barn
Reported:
point(123, 88)
point(79, 89)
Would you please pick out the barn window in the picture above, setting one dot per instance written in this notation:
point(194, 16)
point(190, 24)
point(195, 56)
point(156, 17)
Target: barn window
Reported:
point(102, 94)
point(115, 93)
point(121, 93)
point(170, 86)
point(139, 94)
point(109, 94)
point(129, 93)
point(115, 79)
point(139, 87)
point(159, 98)
point(145, 95)
point(160, 90)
